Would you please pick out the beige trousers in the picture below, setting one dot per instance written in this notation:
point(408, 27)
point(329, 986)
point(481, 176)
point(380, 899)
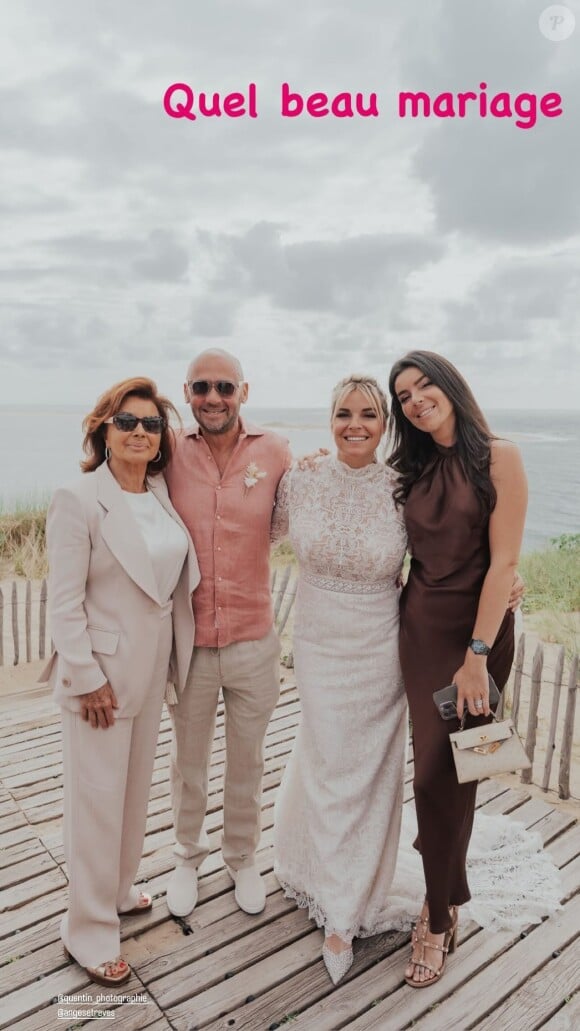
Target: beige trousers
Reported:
point(107, 779)
point(248, 674)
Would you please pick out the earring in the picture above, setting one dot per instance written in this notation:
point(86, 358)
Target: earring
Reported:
point(107, 453)
point(157, 456)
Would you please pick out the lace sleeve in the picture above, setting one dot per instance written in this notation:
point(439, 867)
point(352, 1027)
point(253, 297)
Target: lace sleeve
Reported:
point(280, 515)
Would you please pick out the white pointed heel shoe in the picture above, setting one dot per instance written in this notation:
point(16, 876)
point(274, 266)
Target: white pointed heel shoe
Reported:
point(337, 963)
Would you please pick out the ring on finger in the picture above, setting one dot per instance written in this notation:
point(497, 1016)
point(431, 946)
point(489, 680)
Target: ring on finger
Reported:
point(479, 703)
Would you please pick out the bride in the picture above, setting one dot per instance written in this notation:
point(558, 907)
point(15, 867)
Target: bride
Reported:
point(338, 813)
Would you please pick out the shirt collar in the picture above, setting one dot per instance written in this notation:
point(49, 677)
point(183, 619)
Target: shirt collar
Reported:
point(248, 429)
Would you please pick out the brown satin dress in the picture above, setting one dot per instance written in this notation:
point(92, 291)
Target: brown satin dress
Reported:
point(448, 541)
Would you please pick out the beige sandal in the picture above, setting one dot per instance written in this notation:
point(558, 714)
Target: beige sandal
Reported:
point(144, 904)
point(110, 974)
point(419, 942)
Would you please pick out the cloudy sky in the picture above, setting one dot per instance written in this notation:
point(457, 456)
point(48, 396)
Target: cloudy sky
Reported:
point(311, 247)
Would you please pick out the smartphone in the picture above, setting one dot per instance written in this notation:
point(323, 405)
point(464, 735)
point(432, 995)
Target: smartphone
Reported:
point(446, 699)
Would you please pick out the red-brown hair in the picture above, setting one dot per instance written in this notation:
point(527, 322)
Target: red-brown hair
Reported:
point(109, 404)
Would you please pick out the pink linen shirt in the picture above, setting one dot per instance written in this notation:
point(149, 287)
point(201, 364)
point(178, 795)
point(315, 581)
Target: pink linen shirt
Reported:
point(229, 523)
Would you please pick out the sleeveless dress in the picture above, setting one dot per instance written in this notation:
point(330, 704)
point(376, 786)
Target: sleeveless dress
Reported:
point(448, 541)
point(338, 812)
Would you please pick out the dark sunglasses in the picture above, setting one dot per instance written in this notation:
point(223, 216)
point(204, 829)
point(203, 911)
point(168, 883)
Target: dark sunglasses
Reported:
point(202, 387)
point(126, 422)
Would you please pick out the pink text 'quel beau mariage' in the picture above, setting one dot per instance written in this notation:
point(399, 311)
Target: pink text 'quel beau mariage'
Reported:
point(180, 101)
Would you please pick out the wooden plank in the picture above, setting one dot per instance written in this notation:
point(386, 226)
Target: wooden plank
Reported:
point(568, 732)
point(17, 836)
point(194, 971)
point(308, 1000)
point(565, 848)
point(33, 888)
point(13, 820)
point(32, 912)
point(20, 852)
point(71, 980)
point(22, 871)
point(541, 995)
point(506, 801)
point(127, 1017)
point(15, 636)
point(567, 1018)
point(201, 1009)
point(551, 742)
point(42, 620)
point(28, 620)
point(519, 669)
point(554, 824)
point(537, 667)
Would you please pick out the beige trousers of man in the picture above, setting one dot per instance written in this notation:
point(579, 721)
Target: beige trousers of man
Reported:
point(249, 676)
point(107, 779)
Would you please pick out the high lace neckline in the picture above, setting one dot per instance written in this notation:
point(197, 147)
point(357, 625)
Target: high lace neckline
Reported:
point(365, 472)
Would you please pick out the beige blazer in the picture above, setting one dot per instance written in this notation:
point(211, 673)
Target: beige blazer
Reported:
point(104, 605)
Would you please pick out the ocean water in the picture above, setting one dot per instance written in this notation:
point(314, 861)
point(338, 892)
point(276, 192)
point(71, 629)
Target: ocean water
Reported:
point(42, 448)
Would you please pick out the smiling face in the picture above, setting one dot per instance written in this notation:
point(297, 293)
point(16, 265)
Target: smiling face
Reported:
point(133, 449)
point(425, 405)
point(214, 413)
point(357, 427)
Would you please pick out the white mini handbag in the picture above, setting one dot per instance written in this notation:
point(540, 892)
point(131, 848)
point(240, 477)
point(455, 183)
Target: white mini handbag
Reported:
point(486, 750)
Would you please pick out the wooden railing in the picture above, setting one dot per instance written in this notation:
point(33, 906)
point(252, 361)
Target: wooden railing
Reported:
point(24, 633)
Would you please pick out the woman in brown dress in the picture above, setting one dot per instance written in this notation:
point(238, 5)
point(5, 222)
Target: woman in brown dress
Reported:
point(464, 494)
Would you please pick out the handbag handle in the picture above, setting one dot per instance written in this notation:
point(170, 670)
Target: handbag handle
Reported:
point(466, 714)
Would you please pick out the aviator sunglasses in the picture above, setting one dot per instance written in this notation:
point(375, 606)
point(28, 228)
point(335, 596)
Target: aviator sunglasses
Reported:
point(224, 387)
point(126, 422)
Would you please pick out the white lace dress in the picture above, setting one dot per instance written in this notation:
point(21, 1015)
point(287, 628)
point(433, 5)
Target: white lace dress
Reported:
point(338, 812)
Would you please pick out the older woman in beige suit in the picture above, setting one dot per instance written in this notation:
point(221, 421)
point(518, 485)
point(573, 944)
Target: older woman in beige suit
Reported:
point(122, 570)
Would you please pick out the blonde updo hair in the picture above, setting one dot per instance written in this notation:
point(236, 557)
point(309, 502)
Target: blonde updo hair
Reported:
point(368, 386)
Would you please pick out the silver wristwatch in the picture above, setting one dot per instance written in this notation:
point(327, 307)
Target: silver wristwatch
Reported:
point(479, 647)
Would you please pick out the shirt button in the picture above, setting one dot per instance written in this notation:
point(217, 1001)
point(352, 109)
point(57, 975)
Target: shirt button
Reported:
point(218, 488)
point(219, 549)
point(218, 517)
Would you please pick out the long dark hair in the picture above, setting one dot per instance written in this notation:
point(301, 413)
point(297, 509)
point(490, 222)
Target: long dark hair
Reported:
point(412, 449)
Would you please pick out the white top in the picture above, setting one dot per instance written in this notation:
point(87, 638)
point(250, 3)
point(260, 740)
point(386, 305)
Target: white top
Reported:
point(164, 539)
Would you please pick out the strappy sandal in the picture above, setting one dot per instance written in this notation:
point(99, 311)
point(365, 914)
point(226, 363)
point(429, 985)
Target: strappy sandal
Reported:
point(110, 974)
point(419, 941)
point(144, 904)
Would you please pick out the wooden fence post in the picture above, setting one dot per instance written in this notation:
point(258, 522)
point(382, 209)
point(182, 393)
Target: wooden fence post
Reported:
point(15, 637)
point(28, 620)
point(537, 667)
point(282, 590)
point(520, 654)
point(551, 743)
point(42, 620)
point(568, 732)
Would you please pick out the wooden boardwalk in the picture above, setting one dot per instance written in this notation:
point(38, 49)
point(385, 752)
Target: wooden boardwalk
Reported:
point(224, 970)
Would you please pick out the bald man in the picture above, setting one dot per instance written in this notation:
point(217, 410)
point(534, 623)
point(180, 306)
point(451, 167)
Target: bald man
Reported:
point(222, 481)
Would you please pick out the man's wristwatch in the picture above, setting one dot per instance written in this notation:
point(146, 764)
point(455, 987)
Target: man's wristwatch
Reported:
point(479, 647)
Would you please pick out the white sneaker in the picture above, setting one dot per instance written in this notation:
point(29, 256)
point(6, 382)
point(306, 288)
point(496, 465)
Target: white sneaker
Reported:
point(250, 893)
point(182, 891)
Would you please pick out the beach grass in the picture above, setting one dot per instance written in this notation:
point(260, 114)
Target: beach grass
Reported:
point(552, 579)
point(22, 539)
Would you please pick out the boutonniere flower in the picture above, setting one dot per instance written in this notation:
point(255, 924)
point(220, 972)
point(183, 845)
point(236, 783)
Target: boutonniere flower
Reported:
point(252, 475)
